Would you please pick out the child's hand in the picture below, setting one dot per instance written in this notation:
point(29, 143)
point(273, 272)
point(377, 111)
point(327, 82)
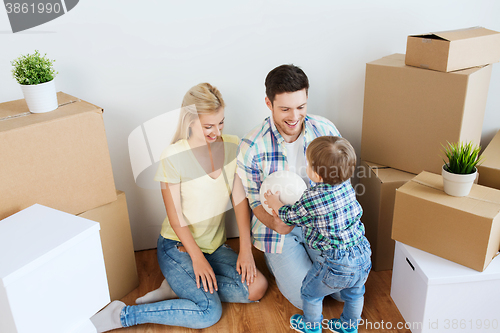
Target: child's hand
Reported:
point(273, 200)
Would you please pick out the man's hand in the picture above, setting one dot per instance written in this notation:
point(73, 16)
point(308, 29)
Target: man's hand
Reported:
point(281, 227)
point(272, 222)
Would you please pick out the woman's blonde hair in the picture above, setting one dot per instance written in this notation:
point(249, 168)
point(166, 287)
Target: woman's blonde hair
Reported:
point(200, 99)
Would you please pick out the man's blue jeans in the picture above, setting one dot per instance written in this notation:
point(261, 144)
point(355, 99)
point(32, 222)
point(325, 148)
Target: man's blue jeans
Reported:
point(344, 271)
point(290, 267)
point(195, 308)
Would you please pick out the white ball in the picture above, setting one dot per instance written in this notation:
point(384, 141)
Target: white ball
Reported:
point(289, 184)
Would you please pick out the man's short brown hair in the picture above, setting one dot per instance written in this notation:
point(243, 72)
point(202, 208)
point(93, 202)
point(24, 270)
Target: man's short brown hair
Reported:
point(285, 79)
point(332, 158)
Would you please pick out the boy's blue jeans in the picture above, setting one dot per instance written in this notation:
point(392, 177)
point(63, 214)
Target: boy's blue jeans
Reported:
point(195, 308)
point(344, 271)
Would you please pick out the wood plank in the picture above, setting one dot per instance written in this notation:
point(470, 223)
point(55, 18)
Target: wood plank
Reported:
point(272, 313)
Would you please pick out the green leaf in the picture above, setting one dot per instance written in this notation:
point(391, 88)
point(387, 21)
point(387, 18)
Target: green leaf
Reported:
point(462, 157)
point(33, 69)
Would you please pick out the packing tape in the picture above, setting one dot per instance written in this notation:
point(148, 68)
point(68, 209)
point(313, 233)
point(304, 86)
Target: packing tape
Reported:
point(426, 40)
point(28, 113)
point(435, 188)
point(16, 116)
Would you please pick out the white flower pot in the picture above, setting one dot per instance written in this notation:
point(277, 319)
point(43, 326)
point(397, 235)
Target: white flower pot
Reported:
point(457, 185)
point(40, 97)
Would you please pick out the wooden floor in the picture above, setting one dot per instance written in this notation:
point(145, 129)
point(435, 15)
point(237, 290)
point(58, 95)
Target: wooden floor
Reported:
point(272, 313)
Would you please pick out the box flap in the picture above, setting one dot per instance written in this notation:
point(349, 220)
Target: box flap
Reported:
point(387, 174)
point(35, 235)
point(393, 175)
point(393, 60)
point(398, 60)
point(436, 270)
point(459, 34)
point(15, 114)
point(481, 201)
point(429, 36)
point(491, 155)
point(375, 165)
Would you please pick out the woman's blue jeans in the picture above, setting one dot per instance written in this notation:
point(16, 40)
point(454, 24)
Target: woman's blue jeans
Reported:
point(195, 308)
point(344, 271)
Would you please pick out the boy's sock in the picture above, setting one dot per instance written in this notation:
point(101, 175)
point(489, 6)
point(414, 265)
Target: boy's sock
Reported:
point(108, 318)
point(164, 292)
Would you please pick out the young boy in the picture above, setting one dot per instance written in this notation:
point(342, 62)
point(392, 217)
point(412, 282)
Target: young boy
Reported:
point(330, 218)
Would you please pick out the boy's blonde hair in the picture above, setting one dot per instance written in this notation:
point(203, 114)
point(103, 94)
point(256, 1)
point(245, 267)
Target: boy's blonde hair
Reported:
point(332, 158)
point(200, 99)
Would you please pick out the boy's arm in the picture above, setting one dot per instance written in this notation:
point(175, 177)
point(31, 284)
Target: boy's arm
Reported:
point(299, 213)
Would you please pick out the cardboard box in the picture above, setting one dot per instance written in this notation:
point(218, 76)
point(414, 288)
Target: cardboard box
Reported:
point(117, 246)
point(452, 50)
point(489, 170)
point(52, 275)
point(436, 295)
point(409, 112)
point(465, 230)
point(377, 194)
point(59, 159)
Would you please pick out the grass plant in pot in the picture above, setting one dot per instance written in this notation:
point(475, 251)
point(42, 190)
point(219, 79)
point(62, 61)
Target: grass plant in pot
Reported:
point(35, 73)
point(460, 171)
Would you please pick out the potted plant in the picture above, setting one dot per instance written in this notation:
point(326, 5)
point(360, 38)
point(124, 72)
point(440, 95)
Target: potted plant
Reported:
point(35, 73)
point(460, 171)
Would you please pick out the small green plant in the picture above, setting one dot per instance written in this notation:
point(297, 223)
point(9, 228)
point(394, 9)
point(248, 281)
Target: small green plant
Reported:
point(32, 69)
point(462, 157)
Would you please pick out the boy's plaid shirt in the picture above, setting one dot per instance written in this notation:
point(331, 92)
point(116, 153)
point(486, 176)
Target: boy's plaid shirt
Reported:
point(261, 152)
point(329, 216)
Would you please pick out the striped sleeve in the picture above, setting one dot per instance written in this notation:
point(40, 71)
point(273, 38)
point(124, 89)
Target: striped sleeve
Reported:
point(249, 172)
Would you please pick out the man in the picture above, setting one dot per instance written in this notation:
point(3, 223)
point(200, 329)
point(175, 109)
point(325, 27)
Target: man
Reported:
point(279, 143)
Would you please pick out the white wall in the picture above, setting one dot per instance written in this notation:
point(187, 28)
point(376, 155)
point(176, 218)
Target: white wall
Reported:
point(136, 59)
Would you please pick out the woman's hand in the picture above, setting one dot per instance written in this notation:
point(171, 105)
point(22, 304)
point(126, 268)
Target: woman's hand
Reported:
point(203, 272)
point(245, 265)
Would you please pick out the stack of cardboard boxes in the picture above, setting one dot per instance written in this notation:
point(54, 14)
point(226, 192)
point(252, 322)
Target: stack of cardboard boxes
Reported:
point(60, 159)
point(413, 104)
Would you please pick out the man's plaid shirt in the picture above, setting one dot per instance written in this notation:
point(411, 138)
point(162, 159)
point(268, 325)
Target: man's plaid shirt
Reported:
point(329, 216)
point(261, 152)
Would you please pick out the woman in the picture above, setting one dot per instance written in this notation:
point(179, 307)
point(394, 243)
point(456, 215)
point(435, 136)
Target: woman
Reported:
point(197, 176)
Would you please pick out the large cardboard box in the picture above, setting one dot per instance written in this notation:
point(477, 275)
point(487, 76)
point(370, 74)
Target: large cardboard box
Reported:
point(117, 246)
point(465, 230)
point(377, 194)
point(436, 295)
point(52, 275)
point(59, 159)
point(452, 50)
point(489, 170)
point(409, 112)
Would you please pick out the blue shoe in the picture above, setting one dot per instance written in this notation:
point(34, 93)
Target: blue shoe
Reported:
point(335, 325)
point(298, 324)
